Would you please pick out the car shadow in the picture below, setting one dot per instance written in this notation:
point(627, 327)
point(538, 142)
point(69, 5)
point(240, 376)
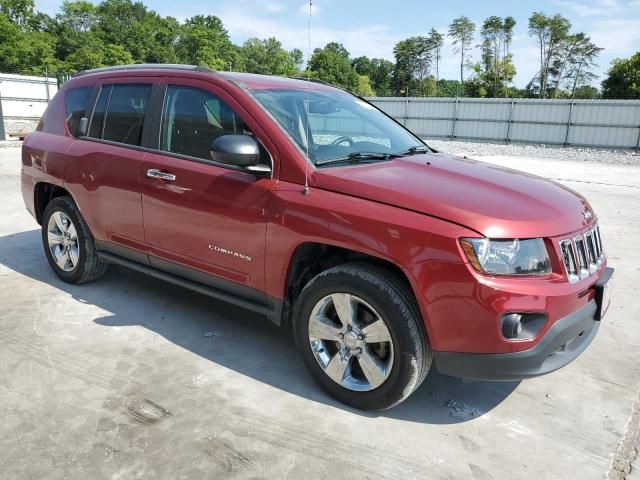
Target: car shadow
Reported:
point(217, 331)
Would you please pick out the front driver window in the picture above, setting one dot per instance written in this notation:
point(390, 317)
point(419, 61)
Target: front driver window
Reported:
point(193, 118)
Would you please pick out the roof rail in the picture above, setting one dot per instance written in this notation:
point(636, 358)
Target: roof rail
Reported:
point(314, 80)
point(142, 66)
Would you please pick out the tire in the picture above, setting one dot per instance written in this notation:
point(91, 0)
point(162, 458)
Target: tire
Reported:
point(403, 355)
point(82, 263)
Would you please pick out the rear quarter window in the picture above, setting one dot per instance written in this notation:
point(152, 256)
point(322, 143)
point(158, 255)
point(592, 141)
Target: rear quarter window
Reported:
point(76, 104)
point(120, 112)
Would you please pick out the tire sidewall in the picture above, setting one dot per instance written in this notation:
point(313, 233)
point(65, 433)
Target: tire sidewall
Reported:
point(395, 388)
point(85, 242)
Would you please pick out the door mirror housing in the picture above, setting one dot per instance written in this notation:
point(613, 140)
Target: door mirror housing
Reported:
point(241, 151)
point(83, 127)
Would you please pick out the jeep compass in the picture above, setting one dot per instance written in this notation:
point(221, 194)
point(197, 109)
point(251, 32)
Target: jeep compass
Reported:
point(311, 206)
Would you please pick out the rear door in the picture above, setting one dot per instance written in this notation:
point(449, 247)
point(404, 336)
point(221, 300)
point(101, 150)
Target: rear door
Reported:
point(109, 162)
point(202, 220)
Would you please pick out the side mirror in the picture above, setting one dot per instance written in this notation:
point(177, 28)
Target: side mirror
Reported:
point(240, 151)
point(83, 127)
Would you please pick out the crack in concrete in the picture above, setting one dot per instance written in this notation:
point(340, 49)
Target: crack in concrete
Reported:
point(629, 445)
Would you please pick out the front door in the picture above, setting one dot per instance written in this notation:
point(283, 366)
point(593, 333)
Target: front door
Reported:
point(202, 220)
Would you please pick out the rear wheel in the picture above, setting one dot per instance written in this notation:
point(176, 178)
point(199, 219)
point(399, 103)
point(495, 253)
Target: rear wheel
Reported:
point(68, 243)
point(359, 334)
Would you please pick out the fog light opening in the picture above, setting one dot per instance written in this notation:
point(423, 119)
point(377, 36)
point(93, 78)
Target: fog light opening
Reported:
point(512, 325)
point(522, 326)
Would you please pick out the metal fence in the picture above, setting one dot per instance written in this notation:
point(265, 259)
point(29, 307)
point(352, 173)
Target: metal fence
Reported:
point(584, 123)
point(23, 100)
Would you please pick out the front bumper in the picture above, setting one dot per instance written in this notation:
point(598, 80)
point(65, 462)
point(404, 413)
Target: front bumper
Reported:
point(567, 338)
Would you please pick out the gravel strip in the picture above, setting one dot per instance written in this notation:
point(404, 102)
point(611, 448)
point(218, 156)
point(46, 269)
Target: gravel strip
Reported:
point(611, 157)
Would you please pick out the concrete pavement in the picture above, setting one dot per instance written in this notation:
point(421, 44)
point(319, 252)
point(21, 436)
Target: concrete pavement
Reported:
point(129, 377)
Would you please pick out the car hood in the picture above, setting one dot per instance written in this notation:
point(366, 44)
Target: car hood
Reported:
point(494, 201)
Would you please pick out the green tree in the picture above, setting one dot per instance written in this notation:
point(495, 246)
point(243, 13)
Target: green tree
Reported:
point(551, 33)
point(268, 57)
point(142, 32)
point(80, 16)
point(413, 63)
point(462, 31)
point(298, 59)
point(623, 78)
point(496, 70)
point(364, 88)
point(19, 12)
point(22, 49)
point(332, 65)
point(379, 71)
point(436, 41)
point(449, 88)
point(10, 61)
point(204, 41)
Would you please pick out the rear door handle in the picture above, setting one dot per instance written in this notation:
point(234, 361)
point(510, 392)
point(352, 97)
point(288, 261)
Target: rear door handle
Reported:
point(155, 173)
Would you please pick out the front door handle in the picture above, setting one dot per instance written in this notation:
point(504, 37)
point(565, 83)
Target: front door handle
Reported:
point(155, 173)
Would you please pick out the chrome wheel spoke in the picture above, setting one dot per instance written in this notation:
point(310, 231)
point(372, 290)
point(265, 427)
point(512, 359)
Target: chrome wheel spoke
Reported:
point(57, 217)
point(373, 368)
point(345, 308)
point(376, 332)
point(62, 260)
point(54, 238)
point(73, 255)
point(323, 328)
point(71, 230)
point(337, 367)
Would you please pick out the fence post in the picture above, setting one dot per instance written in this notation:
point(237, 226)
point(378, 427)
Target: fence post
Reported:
point(513, 102)
point(566, 135)
point(637, 143)
point(3, 136)
point(406, 110)
point(46, 83)
point(453, 121)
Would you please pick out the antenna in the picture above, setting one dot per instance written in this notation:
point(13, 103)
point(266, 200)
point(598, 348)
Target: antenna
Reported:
point(306, 165)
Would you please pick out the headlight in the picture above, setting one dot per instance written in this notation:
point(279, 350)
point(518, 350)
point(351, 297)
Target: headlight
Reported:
point(507, 257)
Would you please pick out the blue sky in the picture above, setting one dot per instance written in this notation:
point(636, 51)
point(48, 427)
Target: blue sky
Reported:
point(372, 27)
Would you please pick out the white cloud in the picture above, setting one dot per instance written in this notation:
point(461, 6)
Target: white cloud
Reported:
point(599, 8)
point(619, 38)
point(275, 7)
point(372, 40)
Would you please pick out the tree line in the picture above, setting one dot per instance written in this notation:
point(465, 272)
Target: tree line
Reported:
point(83, 35)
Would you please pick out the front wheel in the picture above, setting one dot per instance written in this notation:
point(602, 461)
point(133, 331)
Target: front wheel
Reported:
point(360, 336)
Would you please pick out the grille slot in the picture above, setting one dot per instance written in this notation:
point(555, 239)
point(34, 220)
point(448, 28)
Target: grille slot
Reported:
point(582, 255)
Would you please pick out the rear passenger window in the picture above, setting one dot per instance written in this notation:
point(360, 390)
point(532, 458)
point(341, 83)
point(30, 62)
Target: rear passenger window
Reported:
point(76, 102)
point(193, 118)
point(120, 112)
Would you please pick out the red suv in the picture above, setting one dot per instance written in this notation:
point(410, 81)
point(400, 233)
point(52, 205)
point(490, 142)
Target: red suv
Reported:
point(309, 205)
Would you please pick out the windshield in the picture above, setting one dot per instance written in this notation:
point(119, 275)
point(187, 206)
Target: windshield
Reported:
point(340, 124)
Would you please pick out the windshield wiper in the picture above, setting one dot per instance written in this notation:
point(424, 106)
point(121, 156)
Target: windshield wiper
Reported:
point(356, 157)
point(415, 150)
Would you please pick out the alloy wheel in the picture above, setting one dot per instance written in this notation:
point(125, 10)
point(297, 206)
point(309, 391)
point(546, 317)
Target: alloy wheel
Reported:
point(62, 238)
point(351, 342)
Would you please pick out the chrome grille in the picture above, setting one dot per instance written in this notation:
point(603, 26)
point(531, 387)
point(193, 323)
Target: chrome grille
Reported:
point(582, 255)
